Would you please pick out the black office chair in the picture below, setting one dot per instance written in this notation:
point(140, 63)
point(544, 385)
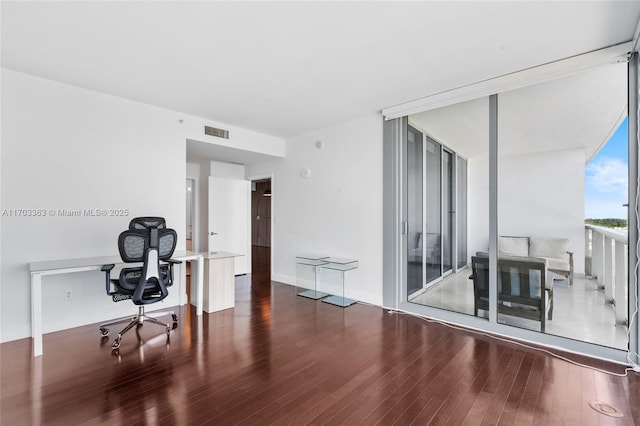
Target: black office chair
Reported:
point(149, 241)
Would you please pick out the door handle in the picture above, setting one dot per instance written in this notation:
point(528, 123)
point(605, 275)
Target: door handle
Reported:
point(213, 233)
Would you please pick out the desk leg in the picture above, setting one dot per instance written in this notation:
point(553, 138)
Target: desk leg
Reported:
point(36, 313)
point(182, 288)
point(200, 280)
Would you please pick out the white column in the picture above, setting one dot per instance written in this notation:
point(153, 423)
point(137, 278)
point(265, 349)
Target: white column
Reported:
point(608, 270)
point(588, 268)
point(621, 283)
point(597, 257)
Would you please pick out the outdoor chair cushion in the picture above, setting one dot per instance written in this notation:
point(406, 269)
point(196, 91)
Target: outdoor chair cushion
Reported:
point(557, 248)
point(513, 246)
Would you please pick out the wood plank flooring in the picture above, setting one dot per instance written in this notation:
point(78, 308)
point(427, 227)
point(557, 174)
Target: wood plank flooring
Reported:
point(282, 359)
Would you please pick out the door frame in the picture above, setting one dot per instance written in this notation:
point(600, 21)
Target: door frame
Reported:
point(273, 213)
point(196, 217)
point(194, 213)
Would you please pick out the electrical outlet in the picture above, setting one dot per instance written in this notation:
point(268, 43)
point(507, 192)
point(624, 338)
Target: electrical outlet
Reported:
point(68, 295)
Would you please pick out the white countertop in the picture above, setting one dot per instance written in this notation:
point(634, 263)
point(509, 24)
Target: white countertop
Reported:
point(48, 265)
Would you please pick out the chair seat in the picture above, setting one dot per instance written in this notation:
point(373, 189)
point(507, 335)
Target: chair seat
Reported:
point(557, 264)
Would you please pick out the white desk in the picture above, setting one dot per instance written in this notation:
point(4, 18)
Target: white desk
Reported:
point(67, 266)
point(219, 274)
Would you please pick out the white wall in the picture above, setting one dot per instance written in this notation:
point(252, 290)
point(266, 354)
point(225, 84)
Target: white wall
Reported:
point(337, 210)
point(539, 194)
point(239, 138)
point(227, 170)
point(64, 147)
point(542, 195)
point(478, 208)
point(198, 170)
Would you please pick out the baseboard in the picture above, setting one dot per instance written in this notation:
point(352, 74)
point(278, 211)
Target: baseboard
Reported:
point(103, 315)
point(349, 293)
point(86, 317)
point(15, 333)
point(284, 279)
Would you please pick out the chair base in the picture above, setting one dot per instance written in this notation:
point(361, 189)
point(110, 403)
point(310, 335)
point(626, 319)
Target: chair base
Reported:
point(137, 320)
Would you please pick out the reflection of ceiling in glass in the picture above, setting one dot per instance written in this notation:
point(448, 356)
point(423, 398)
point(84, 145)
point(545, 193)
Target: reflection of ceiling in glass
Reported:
point(579, 111)
point(462, 127)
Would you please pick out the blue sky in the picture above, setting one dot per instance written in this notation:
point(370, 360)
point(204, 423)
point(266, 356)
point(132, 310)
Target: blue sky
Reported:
point(605, 178)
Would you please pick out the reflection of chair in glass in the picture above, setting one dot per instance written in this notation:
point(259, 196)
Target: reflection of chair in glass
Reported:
point(520, 281)
point(431, 249)
point(148, 241)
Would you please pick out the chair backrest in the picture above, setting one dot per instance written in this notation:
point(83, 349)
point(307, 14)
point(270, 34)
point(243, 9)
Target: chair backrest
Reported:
point(133, 244)
point(149, 241)
point(521, 284)
point(147, 222)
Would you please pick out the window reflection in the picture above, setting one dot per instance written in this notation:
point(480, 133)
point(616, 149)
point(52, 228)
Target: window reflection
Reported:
point(440, 181)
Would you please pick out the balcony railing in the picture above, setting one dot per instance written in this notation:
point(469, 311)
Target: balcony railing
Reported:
point(607, 251)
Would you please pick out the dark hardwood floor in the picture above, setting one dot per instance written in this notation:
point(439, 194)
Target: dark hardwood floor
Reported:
point(281, 359)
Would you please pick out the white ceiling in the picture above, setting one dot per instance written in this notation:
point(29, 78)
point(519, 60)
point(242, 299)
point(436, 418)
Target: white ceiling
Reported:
point(285, 68)
point(580, 111)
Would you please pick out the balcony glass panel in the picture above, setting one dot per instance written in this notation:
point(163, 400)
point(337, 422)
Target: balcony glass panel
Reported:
point(552, 175)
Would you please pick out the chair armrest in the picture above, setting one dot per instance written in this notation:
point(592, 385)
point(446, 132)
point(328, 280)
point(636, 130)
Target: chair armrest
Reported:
point(107, 270)
point(570, 253)
point(173, 261)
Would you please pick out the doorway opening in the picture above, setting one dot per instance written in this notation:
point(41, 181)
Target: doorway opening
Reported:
point(190, 216)
point(261, 228)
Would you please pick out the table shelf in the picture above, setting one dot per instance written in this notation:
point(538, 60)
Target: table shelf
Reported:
point(340, 265)
point(310, 290)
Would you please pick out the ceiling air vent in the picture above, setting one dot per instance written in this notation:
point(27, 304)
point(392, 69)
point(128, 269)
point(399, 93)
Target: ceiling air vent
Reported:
point(219, 133)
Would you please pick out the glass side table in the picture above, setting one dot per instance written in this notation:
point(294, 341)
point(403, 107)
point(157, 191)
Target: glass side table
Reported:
point(341, 266)
point(309, 287)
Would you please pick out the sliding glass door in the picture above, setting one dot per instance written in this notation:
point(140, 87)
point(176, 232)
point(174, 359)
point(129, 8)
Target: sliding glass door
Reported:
point(433, 210)
point(433, 190)
point(461, 211)
point(530, 177)
point(415, 243)
point(448, 212)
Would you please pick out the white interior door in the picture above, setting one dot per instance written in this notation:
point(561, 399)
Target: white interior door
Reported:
point(229, 219)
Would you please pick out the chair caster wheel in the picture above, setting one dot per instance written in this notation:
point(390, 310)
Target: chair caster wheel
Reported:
point(174, 317)
point(168, 330)
point(104, 332)
point(116, 344)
